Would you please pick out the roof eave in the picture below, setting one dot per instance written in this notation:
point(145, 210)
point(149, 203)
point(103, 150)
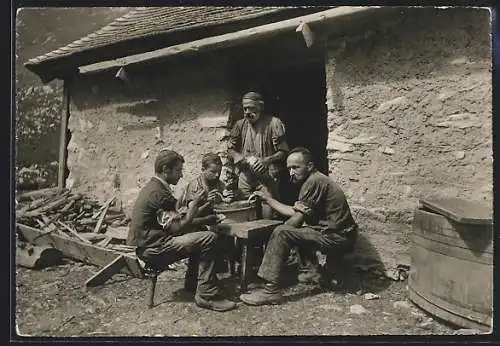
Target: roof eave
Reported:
point(49, 70)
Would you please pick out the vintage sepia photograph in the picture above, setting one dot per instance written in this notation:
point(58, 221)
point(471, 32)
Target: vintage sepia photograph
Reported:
point(253, 171)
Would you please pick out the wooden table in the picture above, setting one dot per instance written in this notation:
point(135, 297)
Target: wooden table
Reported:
point(249, 233)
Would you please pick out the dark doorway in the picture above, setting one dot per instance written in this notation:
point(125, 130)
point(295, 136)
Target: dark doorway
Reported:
point(297, 95)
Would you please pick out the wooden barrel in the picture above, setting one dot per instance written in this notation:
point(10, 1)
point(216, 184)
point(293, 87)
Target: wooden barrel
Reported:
point(451, 272)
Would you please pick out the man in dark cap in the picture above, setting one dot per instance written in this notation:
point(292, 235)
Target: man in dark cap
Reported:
point(320, 219)
point(178, 236)
point(258, 146)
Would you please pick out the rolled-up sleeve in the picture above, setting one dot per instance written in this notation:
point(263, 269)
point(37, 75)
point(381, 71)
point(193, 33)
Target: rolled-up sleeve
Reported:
point(279, 135)
point(309, 198)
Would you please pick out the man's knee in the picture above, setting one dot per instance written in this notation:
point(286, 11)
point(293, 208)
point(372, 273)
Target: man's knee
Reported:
point(208, 238)
point(281, 231)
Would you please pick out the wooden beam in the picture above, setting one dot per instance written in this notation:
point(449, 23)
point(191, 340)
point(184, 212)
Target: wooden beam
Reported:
point(63, 135)
point(230, 39)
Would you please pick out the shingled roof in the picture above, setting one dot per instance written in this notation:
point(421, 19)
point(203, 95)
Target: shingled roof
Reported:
point(151, 28)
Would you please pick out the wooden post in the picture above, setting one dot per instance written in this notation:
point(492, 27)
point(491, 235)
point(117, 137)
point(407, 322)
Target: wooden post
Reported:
point(63, 135)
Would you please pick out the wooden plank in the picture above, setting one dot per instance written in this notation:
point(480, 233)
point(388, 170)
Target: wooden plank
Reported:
point(120, 233)
point(113, 267)
point(75, 233)
point(249, 229)
point(78, 250)
point(61, 174)
point(460, 210)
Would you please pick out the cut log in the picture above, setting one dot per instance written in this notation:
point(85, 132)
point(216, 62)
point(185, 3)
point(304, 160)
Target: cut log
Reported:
point(113, 267)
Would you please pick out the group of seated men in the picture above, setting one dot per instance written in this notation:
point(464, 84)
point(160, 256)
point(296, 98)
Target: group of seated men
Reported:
point(319, 219)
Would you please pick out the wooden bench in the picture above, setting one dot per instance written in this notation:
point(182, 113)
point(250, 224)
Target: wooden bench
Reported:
point(249, 233)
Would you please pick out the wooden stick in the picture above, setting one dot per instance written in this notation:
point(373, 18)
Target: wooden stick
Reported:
point(105, 242)
point(104, 206)
point(101, 219)
point(75, 233)
point(67, 206)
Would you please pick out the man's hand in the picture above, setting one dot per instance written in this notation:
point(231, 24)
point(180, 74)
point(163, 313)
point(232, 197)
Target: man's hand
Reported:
point(257, 165)
point(267, 160)
point(262, 195)
point(214, 196)
point(198, 199)
point(228, 196)
point(210, 220)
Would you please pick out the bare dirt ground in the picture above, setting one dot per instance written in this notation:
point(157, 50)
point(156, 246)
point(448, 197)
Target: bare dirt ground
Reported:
point(54, 302)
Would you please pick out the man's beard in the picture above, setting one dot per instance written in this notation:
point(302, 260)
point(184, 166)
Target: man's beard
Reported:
point(251, 118)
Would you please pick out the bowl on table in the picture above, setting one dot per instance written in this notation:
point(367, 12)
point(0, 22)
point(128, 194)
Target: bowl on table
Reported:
point(237, 211)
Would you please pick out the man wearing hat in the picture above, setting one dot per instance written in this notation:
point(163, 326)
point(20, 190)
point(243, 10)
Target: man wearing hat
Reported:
point(178, 235)
point(258, 146)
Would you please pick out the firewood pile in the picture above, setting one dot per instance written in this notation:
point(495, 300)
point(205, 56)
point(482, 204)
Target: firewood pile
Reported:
point(73, 215)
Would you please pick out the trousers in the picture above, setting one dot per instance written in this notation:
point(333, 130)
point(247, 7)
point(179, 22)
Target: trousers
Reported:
point(306, 239)
point(199, 247)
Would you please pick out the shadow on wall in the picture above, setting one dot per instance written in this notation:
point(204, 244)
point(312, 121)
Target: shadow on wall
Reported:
point(177, 82)
point(426, 42)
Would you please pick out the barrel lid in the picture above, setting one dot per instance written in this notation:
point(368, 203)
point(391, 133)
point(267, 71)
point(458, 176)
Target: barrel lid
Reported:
point(460, 210)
